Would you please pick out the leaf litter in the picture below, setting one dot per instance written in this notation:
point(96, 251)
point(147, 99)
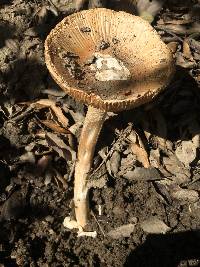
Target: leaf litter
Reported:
point(147, 160)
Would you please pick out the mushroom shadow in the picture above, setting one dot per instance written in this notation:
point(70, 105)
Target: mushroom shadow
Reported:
point(43, 26)
point(166, 250)
point(6, 31)
point(25, 80)
point(173, 115)
point(5, 2)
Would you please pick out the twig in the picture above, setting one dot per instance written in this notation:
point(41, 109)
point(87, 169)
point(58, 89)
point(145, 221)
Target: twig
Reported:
point(169, 32)
point(101, 229)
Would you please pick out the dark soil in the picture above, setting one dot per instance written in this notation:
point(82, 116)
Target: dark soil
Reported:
point(146, 165)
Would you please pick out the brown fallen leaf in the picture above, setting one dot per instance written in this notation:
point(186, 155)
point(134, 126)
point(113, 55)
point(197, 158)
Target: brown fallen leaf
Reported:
point(185, 195)
point(141, 154)
point(154, 225)
point(173, 46)
point(155, 161)
point(177, 169)
point(186, 152)
point(57, 144)
point(56, 109)
point(138, 149)
point(186, 50)
point(162, 188)
point(179, 29)
point(127, 164)
point(27, 157)
point(183, 62)
point(143, 174)
point(55, 127)
point(115, 162)
point(60, 178)
point(195, 44)
point(155, 158)
point(122, 231)
point(176, 21)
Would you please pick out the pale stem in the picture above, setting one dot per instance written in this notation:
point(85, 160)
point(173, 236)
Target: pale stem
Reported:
point(79, 4)
point(91, 129)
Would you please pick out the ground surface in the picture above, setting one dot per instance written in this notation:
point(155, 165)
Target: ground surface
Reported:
point(145, 178)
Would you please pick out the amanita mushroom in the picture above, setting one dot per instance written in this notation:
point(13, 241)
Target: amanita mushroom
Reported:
point(111, 61)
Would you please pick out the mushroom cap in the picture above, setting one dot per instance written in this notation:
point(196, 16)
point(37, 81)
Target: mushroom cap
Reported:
point(111, 60)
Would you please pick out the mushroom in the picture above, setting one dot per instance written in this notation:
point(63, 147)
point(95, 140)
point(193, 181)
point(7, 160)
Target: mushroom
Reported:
point(111, 61)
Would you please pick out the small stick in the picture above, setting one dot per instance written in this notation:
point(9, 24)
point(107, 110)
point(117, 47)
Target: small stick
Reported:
point(101, 229)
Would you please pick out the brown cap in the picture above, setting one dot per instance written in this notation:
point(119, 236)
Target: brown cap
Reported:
point(110, 60)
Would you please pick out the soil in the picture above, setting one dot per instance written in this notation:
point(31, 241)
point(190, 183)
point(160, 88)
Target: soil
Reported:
point(145, 174)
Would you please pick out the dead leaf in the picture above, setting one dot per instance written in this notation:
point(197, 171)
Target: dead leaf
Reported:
point(122, 231)
point(60, 178)
point(195, 44)
point(176, 168)
point(138, 148)
point(12, 44)
point(48, 177)
point(54, 92)
point(162, 188)
point(56, 109)
point(55, 127)
point(27, 157)
point(57, 144)
point(75, 128)
point(154, 226)
point(186, 50)
point(183, 62)
point(143, 174)
point(127, 164)
point(173, 46)
point(179, 29)
point(115, 162)
point(185, 195)
point(155, 161)
point(175, 21)
point(155, 158)
point(186, 152)
point(141, 155)
point(104, 155)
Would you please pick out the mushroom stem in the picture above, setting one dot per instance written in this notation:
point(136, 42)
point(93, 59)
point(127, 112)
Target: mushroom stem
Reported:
point(89, 136)
point(79, 4)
